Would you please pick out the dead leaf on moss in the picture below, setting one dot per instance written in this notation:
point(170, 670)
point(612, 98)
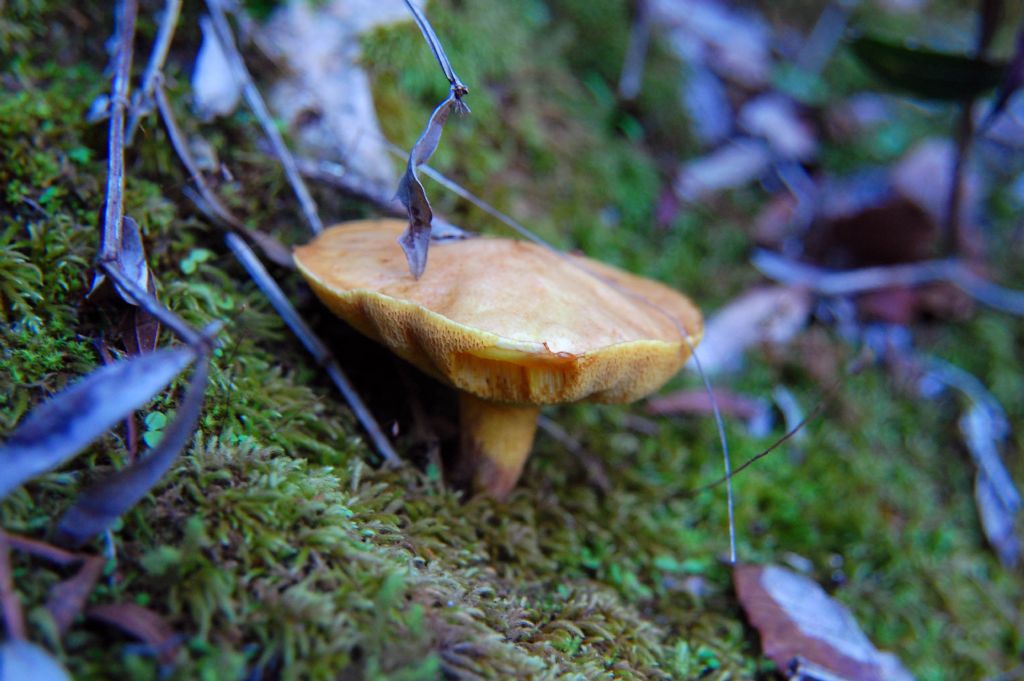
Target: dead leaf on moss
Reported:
point(801, 624)
point(325, 96)
point(99, 506)
point(67, 422)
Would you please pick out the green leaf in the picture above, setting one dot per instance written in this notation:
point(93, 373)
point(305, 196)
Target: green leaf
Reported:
point(80, 155)
point(152, 438)
point(196, 256)
point(156, 420)
point(927, 73)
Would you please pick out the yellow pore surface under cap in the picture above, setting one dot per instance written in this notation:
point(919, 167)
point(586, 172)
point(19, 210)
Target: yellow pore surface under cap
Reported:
point(502, 319)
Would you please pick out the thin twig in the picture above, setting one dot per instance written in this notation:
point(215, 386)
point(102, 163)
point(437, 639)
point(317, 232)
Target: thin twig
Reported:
point(142, 102)
point(9, 604)
point(826, 34)
point(113, 211)
point(435, 46)
point(632, 76)
point(212, 205)
point(852, 369)
point(312, 343)
point(849, 282)
point(49, 552)
point(259, 108)
point(220, 214)
point(955, 240)
point(790, 434)
point(724, 443)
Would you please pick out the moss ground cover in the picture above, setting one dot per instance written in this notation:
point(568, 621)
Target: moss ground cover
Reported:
point(276, 543)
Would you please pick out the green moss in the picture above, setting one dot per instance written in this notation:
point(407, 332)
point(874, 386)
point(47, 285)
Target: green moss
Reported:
point(275, 544)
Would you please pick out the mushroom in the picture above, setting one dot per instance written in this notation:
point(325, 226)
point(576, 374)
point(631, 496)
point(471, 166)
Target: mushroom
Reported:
point(510, 324)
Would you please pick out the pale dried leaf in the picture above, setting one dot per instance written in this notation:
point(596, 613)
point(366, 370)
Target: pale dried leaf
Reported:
point(415, 241)
point(215, 90)
point(131, 259)
point(736, 44)
point(776, 119)
point(761, 315)
point(998, 521)
point(924, 176)
point(797, 620)
point(324, 95)
point(732, 165)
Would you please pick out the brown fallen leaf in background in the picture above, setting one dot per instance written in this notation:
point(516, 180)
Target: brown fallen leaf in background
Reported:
point(698, 402)
point(799, 622)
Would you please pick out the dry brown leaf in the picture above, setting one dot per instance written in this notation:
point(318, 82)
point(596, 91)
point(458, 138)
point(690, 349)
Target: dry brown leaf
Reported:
point(799, 622)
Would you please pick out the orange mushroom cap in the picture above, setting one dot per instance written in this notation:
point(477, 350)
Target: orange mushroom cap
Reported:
point(505, 320)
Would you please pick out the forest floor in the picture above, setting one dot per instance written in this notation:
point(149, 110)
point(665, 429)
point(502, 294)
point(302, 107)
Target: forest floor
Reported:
point(279, 545)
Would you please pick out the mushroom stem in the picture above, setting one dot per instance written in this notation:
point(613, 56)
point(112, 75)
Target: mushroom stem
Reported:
point(496, 439)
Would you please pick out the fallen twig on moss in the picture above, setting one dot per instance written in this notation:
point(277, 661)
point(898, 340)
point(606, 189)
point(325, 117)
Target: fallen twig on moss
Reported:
point(142, 102)
point(113, 211)
point(314, 345)
point(212, 205)
point(213, 208)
